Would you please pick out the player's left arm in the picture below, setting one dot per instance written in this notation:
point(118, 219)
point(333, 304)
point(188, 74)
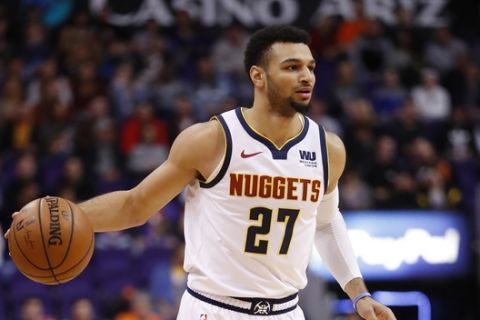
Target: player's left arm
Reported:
point(333, 243)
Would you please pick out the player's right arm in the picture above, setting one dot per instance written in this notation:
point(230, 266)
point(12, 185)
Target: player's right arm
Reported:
point(193, 153)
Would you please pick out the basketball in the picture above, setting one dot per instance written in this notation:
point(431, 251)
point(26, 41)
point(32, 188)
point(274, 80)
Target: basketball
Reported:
point(51, 240)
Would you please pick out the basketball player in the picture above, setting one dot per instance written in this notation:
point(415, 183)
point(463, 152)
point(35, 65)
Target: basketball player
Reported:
point(262, 190)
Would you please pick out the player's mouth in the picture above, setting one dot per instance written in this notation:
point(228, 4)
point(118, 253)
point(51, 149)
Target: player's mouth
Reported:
point(304, 92)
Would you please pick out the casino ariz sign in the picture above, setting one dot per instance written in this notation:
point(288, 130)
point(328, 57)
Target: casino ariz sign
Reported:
point(254, 13)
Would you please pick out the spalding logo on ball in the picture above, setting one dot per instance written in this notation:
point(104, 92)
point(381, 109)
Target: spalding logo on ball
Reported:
point(51, 240)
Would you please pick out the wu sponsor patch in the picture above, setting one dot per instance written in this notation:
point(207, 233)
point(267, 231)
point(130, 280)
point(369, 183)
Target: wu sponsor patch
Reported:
point(308, 158)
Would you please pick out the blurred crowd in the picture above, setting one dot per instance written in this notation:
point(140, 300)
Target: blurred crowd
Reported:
point(87, 108)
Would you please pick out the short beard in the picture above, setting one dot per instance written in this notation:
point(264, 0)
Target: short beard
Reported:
point(302, 108)
point(284, 106)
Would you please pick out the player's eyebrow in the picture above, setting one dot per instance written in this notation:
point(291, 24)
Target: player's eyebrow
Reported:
point(296, 60)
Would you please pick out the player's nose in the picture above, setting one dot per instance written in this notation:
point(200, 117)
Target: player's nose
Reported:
point(307, 76)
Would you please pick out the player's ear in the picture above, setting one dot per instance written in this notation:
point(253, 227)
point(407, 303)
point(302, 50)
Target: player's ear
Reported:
point(257, 75)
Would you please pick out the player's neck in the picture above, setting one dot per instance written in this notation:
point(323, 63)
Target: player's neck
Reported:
point(277, 127)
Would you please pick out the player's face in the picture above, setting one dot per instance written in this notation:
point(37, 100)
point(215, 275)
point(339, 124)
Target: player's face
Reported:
point(290, 77)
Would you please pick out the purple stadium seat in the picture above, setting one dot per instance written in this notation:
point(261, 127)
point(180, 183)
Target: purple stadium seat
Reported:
point(145, 263)
point(113, 272)
point(22, 288)
point(81, 287)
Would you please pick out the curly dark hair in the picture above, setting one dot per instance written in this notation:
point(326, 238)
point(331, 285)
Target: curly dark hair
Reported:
point(262, 40)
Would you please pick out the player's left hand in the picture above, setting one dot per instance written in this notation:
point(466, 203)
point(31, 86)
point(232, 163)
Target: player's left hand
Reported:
point(369, 309)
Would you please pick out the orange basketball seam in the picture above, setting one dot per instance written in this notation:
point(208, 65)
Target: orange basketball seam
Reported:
point(43, 241)
point(70, 240)
point(71, 268)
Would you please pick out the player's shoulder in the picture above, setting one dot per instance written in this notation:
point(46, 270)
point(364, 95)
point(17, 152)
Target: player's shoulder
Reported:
point(197, 143)
point(199, 132)
point(336, 158)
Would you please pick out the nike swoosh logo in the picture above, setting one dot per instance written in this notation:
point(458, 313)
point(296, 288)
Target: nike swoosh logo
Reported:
point(248, 155)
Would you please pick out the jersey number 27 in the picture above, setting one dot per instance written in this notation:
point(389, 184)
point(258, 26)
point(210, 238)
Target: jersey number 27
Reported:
point(264, 216)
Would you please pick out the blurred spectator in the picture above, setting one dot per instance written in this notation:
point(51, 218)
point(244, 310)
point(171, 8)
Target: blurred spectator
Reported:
point(318, 113)
point(360, 133)
point(184, 114)
point(53, 161)
point(11, 99)
point(323, 34)
point(140, 308)
point(209, 89)
point(124, 91)
point(389, 97)
point(404, 57)
point(82, 309)
point(20, 133)
point(463, 83)
point(78, 42)
point(98, 111)
point(149, 38)
point(35, 46)
point(406, 126)
point(33, 309)
point(188, 42)
point(383, 171)
point(132, 130)
point(74, 181)
point(87, 85)
point(431, 100)
point(147, 154)
point(404, 195)
point(370, 54)
point(326, 52)
point(227, 51)
point(150, 49)
point(55, 122)
point(460, 136)
point(16, 68)
point(350, 30)
point(345, 88)
point(354, 192)
point(49, 85)
point(104, 158)
point(23, 187)
point(431, 174)
point(442, 52)
point(463, 150)
point(166, 90)
point(6, 50)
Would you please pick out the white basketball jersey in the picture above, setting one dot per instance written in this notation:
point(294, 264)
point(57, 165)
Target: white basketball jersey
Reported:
point(249, 230)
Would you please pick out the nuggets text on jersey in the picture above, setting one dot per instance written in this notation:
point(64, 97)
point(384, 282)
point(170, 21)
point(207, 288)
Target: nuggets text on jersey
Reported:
point(276, 187)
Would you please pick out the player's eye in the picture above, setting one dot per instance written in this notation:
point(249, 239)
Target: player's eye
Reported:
point(292, 68)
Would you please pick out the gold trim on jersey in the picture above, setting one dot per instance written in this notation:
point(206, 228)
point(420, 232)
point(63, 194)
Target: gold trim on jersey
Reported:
point(273, 143)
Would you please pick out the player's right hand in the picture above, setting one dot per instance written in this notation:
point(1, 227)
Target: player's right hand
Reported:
point(369, 309)
point(5, 235)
